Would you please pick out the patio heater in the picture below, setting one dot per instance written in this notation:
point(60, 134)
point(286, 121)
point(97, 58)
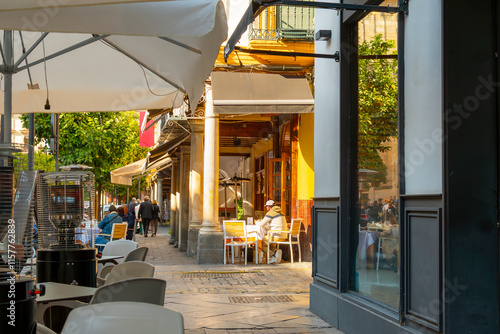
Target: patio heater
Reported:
point(17, 285)
point(62, 257)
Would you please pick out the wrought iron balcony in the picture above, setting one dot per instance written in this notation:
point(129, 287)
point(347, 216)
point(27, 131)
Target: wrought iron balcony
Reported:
point(284, 23)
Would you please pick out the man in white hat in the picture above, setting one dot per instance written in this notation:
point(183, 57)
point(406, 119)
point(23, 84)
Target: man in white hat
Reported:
point(274, 220)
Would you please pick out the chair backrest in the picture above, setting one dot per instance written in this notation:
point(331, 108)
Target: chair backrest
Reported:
point(122, 317)
point(119, 247)
point(131, 269)
point(237, 229)
point(234, 228)
point(119, 231)
point(138, 254)
point(295, 226)
point(142, 289)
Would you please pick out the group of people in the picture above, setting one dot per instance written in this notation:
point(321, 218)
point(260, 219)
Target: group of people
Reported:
point(145, 213)
point(380, 211)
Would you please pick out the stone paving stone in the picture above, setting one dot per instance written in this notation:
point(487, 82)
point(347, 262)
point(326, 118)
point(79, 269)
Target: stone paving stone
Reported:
point(204, 301)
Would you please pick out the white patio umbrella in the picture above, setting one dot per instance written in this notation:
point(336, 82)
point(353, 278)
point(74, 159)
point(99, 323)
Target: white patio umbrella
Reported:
point(111, 55)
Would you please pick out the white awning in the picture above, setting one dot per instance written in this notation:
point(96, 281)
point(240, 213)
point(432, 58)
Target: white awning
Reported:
point(124, 175)
point(133, 55)
point(260, 93)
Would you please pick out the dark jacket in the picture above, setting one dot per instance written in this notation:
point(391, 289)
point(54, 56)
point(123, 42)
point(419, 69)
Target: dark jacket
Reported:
point(156, 211)
point(131, 208)
point(146, 210)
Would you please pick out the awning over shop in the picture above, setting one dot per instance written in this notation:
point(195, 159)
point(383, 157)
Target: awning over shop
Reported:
point(124, 175)
point(260, 93)
point(158, 158)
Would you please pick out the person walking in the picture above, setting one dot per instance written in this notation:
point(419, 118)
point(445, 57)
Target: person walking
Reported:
point(146, 214)
point(130, 218)
point(137, 219)
point(154, 220)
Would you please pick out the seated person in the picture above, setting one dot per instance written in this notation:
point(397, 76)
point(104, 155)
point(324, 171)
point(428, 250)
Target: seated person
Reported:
point(273, 220)
point(106, 224)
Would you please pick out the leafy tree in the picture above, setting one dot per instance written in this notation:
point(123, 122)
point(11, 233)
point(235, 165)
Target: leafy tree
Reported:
point(44, 161)
point(378, 106)
point(102, 140)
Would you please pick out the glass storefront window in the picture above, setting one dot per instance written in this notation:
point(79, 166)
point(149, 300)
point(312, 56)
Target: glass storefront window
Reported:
point(376, 274)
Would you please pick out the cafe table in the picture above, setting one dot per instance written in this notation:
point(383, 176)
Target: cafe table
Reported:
point(60, 294)
point(109, 258)
point(60, 291)
point(87, 234)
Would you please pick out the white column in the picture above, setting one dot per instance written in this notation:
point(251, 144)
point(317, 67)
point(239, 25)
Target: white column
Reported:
point(173, 200)
point(195, 185)
point(211, 170)
point(159, 198)
point(210, 238)
point(184, 198)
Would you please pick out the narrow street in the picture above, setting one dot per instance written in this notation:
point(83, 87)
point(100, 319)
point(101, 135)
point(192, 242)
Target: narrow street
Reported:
point(234, 298)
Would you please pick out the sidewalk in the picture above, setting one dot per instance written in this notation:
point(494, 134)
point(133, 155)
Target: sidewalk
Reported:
point(235, 298)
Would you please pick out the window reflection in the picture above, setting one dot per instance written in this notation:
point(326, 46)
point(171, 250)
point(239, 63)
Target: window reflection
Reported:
point(376, 274)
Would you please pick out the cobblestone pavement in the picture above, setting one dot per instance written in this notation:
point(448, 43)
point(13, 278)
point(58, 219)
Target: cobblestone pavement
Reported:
point(234, 298)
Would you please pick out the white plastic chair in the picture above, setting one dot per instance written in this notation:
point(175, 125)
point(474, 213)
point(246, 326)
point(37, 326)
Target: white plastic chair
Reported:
point(292, 233)
point(117, 248)
point(138, 254)
point(136, 285)
point(235, 235)
point(124, 318)
point(141, 289)
point(126, 270)
point(381, 240)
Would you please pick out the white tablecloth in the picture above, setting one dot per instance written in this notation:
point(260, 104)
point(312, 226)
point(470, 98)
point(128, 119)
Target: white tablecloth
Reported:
point(86, 234)
point(366, 239)
point(251, 229)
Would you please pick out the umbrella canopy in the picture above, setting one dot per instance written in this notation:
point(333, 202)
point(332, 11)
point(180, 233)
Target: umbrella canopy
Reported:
point(112, 55)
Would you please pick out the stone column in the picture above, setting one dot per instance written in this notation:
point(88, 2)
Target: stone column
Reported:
point(195, 186)
point(173, 200)
point(184, 198)
point(159, 198)
point(178, 178)
point(210, 238)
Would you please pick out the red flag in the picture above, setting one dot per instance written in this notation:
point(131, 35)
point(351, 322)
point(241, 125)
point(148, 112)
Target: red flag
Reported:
point(146, 138)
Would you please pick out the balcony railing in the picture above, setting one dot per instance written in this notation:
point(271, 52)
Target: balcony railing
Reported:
point(284, 22)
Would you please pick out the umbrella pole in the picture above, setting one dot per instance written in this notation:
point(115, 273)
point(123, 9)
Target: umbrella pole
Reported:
point(7, 95)
point(236, 195)
point(225, 201)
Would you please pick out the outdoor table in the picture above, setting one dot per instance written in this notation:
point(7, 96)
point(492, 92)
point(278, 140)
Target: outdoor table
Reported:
point(60, 292)
point(109, 258)
point(87, 234)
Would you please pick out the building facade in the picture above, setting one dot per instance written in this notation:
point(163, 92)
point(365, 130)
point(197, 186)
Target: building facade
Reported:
point(434, 265)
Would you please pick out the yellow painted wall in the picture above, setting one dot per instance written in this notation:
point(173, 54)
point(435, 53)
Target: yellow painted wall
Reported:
point(305, 158)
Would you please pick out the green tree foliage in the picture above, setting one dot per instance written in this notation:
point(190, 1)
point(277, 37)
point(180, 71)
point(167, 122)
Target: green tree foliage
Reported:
point(102, 140)
point(44, 161)
point(378, 106)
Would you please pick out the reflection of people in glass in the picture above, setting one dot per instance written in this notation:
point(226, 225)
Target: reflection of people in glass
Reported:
point(390, 245)
point(389, 212)
point(373, 211)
